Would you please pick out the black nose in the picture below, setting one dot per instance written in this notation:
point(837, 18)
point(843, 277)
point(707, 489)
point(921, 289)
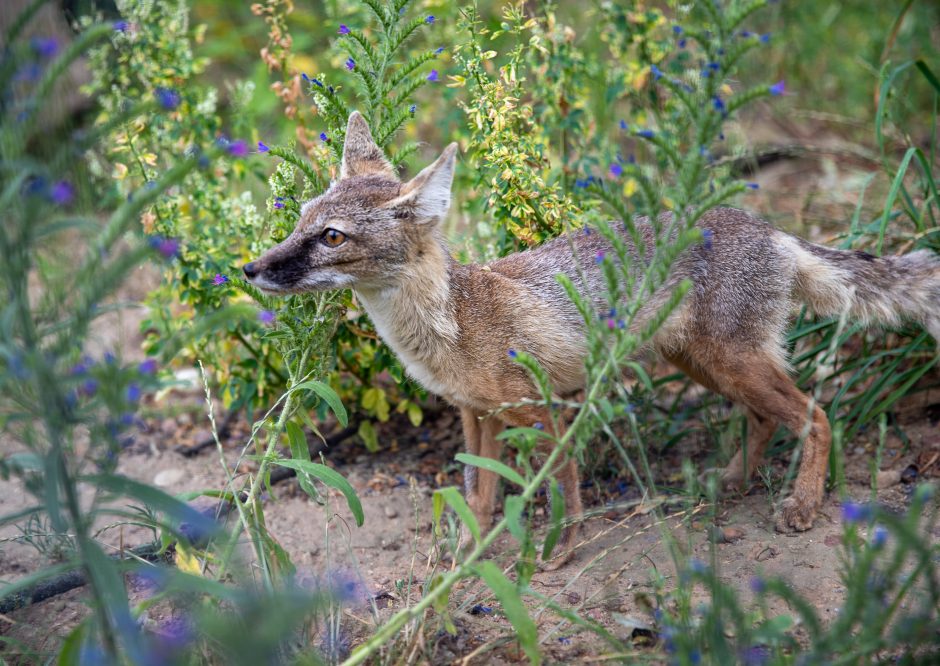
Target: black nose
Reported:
point(250, 270)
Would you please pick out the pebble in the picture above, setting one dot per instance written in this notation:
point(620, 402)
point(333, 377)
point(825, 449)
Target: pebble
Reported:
point(168, 477)
point(390, 511)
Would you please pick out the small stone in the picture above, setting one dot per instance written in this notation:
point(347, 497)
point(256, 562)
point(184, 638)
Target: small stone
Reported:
point(168, 477)
point(731, 534)
point(887, 478)
point(390, 511)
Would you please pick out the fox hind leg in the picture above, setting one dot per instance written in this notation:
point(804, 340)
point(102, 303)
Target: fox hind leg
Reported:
point(480, 485)
point(755, 378)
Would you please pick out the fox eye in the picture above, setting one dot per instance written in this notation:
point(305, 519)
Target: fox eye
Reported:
point(333, 238)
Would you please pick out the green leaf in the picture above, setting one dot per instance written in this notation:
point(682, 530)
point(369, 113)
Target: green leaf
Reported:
point(299, 450)
point(175, 509)
point(328, 395)
point(330, 477)
point(368, 436)
point(515, 610)
point(71, 650)
point(415, 415)
point(511, 433)
point(558, 516)
point(491, 465)
point(455, 500)
point(512, 509)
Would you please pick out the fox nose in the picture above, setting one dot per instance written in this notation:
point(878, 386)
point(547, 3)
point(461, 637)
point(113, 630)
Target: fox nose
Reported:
point(251, 270)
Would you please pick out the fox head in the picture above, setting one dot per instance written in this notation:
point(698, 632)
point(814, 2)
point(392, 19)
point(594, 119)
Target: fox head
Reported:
point(364, 229)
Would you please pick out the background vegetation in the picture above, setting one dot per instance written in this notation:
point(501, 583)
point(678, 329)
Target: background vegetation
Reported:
point(209, 125)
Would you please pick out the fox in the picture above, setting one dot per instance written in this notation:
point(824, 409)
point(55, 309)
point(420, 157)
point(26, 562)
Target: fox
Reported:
point(453, 325)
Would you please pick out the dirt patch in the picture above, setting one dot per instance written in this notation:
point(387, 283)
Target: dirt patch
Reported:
point(622, 551)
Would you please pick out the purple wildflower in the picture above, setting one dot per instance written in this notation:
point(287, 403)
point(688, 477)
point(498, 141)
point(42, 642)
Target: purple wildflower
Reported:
point(752, 186)
point(778, 88)
point(718, 103)
point(879, 536)
point(564, 640)
point(62, 193)
point(89, 387)
point(538, 425)
point(148, 367)
point(429, 19)
point(412, 109)
point(433, 75)
point(439, 50)
point(262, 148)
point(44, 47)
point(168, 247)
point(133, 392)
point(616, 170)
point(657, 72)
point(219, 279)
point(758, 586)
point(343, 30)
point(350, 64)
point(168, 98)
point(599, 257)
point(611, 324)
point(512, 353)
point(278, 202)
point(624, 125)
point(237, 148)
point(324, 137)
point(681, 43)
point(266, 317)
point(677, 29)
point(765, 38)
point(121, 26)
point(646, 133)
point(855, 512)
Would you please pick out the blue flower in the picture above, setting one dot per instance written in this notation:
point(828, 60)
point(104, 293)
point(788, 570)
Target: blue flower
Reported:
point(752, 186)
point(430, 19)
point(538, 425)
point(45, 47)
point(616, 170)
point(121, 26)
point(148, 367)
point(624, 125)
point(765, 38)
point(433, 76)
point(62, 193)
point(237, 148)
point(168, 98)
point(778, 88)
point(343, 30)
point(512, 353)
point(707, 236)
point(324, 137)
point(657, 72)
point(758, 586)
point(262, 148)
point(855, 512)
point(718, 103)
point(677, 29)
point(350, 64)
point(599, 257)
point(278, 202)
point(168, 247)
point(879, 536)
point(681, 43)
point(412, 109)
point(646, 133)
point(439, 50)
point(89, 387)
point(266, 317)
point(133, 392)
point(219, 279)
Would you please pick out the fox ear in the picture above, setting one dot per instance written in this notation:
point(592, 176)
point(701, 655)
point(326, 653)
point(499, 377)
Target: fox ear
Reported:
point(426, 197)
point(361, 156)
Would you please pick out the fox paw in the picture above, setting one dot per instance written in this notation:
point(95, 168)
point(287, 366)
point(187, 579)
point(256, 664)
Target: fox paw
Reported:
point(795, 515)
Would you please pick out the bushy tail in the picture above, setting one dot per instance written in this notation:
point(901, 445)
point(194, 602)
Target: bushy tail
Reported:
point(873, 289)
